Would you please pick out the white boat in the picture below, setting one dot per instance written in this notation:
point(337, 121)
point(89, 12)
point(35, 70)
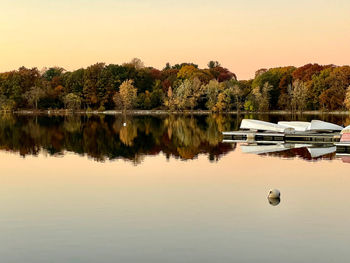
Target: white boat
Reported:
point(345, 130)
point(322, 126)
point(296, 125)
point(345, 136)
point(256, 125)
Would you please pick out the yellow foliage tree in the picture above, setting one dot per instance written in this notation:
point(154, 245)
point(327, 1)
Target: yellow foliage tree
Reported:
point(127, 95)
point(187, 72)
point(347, 98)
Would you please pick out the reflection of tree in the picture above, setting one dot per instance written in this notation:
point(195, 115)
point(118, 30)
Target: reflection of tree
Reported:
point(107, 138)
point(185, 131)
point(127, 134)
point(72, 123)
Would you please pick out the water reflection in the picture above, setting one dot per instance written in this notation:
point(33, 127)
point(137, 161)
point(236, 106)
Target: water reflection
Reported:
point(307, 152)
point(274, 201)
point(105, 137)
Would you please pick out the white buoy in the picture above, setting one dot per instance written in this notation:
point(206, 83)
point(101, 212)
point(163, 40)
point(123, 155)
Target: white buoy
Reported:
point(124, 124)
point(274, 197)
point(274, 193)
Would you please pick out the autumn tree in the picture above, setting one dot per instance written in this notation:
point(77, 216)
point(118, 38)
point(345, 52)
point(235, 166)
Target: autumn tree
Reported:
point(347, 99)
point(188, 93)
point(299, 94)
point(213, 64)
point(92, 77)
point(33, 95)
point(260, 98)
point(53, 72)
point(6, 104)
point(234, 90)
point(127, 95)
point(306, 72)
point(73, 82)
point(222, 74)
point(72, 101)
point(273, 76)
point(224, 100)
point(329, 87)
point(137, 63)
point(212, 91)
point(170, 101)
point(187, 72)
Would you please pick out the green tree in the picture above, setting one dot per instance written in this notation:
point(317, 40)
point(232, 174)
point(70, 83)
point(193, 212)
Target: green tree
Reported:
point(188, 93)
point(299, 96)
point(92, 84)
point(212, 91)
point(72, 101)
point(33, 95)
point(213, 64)
point(347, 99)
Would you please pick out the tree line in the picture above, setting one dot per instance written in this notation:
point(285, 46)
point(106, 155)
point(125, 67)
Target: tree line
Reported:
point(177, 87)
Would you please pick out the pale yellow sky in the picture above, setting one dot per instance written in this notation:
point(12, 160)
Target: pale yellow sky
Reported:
point(243, 35)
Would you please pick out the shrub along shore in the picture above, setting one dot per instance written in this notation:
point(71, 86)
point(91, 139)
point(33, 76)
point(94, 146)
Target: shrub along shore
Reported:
point(62, 112)
point(112, 89)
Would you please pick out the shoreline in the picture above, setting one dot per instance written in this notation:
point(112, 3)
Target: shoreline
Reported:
point(165, 112)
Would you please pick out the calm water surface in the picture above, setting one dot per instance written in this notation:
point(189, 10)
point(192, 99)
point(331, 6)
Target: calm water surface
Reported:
point(164, 189)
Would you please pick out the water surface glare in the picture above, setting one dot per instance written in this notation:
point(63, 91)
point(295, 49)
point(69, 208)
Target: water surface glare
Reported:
point(166, 190)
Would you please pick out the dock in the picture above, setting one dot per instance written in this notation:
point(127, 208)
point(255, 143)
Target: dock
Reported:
point(268, 137)
point(318, 136)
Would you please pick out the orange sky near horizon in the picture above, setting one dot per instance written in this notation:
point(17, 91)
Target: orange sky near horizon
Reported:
point(242, 35)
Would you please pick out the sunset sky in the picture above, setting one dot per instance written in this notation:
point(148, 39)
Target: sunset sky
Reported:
point(243, 35)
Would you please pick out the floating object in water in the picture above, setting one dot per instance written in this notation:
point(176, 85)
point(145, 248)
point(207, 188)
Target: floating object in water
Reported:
point(274, 197)
point(274, 193)
point(124, 124)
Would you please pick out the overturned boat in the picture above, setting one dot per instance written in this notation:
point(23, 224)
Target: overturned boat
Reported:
point(256, 125)
point(296, 125)
point(316, 131)
point(343, 147)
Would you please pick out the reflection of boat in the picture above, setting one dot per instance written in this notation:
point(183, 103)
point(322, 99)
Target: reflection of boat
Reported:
point(321, 151)
point(270, 148)
point(293, 136)
point(259, 149)
point(315, 151)
point(306, 151)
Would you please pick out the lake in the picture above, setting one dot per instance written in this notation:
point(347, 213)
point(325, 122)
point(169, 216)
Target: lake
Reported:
point(165, 189)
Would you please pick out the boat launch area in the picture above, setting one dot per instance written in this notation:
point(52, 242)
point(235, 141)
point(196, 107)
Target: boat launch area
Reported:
point(261, 136)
